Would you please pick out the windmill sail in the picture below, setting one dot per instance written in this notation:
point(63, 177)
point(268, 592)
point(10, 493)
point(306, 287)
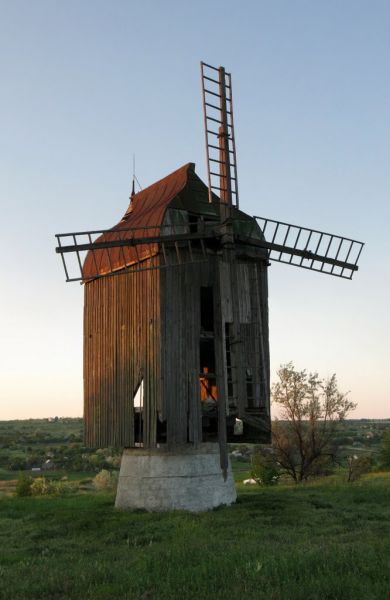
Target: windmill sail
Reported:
point(219, 133)
point(308, 248)
point(88, 255)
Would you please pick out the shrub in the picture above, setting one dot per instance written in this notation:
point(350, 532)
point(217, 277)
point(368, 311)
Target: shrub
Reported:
point(23, 486)
point(357, 466)
point(105, 480)
point(45, 487)
point(264, 469)
point(42, 487)
point(63, 487)
point(385, 450)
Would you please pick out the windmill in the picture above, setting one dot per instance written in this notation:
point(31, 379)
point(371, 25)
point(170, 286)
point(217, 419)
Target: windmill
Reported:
point(176, 343)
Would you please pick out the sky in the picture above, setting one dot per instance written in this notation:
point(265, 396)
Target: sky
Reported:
point(85, 85)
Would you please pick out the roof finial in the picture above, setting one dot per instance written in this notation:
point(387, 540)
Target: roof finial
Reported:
point(135, 179)
point(133, 185)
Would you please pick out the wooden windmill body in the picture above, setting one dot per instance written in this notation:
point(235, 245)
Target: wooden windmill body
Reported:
point(176, 350)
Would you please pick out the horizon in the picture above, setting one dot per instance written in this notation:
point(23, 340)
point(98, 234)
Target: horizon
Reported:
point(60, 418)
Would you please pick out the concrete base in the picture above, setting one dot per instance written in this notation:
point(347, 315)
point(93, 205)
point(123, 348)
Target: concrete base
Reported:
point(187, 479)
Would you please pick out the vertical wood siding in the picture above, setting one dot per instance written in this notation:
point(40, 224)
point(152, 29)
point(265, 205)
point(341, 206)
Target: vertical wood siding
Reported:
point(254, 329)
point(147, 326)
point(121, 347)
point(180, 317)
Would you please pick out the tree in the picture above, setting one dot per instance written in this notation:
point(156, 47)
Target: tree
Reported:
point(310, 410)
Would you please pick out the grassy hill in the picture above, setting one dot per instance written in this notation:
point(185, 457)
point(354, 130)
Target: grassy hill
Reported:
point(324, 540)
point(317, 541)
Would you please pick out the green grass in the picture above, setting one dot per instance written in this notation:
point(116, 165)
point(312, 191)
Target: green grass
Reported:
point(6, 475)
point(317, 541)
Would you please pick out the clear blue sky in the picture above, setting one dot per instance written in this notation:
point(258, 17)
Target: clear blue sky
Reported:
point(85, 84)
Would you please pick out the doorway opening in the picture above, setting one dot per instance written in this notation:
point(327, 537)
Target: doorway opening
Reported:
point(207, 376)
point(138, 408)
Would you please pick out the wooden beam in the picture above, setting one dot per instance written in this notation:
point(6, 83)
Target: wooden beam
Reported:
point(184, 237)
point(294, 251)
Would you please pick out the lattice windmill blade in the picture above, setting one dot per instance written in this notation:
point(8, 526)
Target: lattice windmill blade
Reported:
point(88, 255)
point(219, 133)
point(309, 248)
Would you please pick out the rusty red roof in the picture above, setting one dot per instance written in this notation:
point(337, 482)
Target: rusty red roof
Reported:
point(146, 210)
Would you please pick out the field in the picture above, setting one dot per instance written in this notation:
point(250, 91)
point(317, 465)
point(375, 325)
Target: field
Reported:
point(323, 540)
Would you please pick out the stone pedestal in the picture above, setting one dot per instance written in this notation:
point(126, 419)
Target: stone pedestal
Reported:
point(161, 480)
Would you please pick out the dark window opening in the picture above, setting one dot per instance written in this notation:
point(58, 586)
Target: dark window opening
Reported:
point(249, 388)
point(229, 363)
point(206, 309)
point(193, 221)
point(196, 225)
point(207, 355)
point(161, 436)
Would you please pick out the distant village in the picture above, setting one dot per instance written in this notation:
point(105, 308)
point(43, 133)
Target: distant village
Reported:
point(56, 444)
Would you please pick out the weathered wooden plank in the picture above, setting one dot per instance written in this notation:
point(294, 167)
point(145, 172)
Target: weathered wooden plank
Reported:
point(226, 292)
point(219, 345)
point(243, 292)
point(236, 342)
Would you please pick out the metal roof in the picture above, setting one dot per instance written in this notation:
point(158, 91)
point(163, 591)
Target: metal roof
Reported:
point(143, 218)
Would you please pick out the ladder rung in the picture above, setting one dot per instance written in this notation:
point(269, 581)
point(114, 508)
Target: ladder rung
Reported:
point(209, 66)
point(228, 99)
point(216, 107)
point(228, 124)
point(213, 132)
point(218, 121)
point(215, 120)
point(221, 175)
point(218, 148)
point(210, 79)
point(221, 162)
point(213, 106)
point(215, 187)
point(212, 93)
